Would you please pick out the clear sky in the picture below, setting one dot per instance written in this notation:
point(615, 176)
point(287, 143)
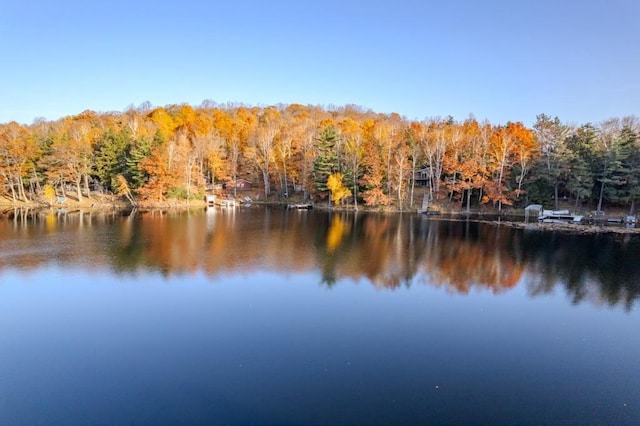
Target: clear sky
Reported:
point(498, 60)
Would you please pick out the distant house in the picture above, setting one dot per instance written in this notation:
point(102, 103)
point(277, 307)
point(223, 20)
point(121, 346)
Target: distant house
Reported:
point(241, 184)
point(421, 176)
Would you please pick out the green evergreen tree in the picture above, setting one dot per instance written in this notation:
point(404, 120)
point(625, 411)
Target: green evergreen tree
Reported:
point(609, 163)
point(551, 168)
point(579, 178)
point(111, 157)
point(628, 178)
point(581, 148)
point(140, 150)
point(326, 161)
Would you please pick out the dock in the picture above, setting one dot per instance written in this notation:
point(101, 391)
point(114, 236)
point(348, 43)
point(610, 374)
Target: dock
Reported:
point(425, 208)
point(300, 206)
point(212, 200)
point(558, 216)
point(552, 216)
point(425, 204)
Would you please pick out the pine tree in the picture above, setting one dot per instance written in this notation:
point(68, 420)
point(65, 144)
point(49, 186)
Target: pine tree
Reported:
point(326, 162)
point(140, 150)
point(628, 190)
point(110, 160)
point(553, 162)
point(610, 159)
point(580, 154)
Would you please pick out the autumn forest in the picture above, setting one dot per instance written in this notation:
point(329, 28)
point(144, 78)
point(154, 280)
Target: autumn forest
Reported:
point(342, 155)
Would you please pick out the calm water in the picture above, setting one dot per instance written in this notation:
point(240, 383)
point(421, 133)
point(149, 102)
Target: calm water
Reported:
point(275, 317)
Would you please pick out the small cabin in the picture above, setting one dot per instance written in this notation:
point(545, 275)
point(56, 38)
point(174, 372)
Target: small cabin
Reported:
point(421, 176)
point(239, 183)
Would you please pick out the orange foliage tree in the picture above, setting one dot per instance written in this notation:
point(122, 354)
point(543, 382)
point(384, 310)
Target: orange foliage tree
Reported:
point(18, 150)
point(509, 144)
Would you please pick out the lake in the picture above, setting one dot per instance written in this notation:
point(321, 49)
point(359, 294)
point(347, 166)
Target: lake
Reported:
point(269, 316)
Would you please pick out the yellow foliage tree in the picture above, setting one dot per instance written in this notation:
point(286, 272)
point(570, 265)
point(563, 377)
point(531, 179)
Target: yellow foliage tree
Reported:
point(49, 194)
point(122, 189)
point(338, 191)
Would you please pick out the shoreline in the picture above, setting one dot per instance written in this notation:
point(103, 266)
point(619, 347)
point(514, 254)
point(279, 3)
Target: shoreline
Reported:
point(92, 205)
point(569, 228)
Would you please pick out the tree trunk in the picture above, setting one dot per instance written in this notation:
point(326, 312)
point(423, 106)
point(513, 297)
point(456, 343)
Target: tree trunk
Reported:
point(500, 188)
point(431, 181)
point(267, 188)
point(355, 189)
point(453, 184)
point(13, 190)
point(188, 181)
point(413, 179)
point(401, 177)
point(284, 172)
point(389, 168)
point(601, 196)
point(23, 194)
point(235, 153)
point(86, 184)
point(522, 175)
point(35, 175)
point(79, 188)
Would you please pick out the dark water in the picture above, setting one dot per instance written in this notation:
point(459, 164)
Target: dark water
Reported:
point(276, 317)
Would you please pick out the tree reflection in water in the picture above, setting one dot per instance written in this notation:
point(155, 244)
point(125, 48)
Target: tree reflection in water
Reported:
point(387, 250)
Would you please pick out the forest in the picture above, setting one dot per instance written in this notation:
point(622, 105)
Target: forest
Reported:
point(343, 155)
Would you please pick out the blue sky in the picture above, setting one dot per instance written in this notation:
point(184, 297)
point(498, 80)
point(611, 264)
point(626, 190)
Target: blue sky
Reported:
point(498, 60)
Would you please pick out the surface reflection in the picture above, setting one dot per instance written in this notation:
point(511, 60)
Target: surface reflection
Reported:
point(267, 316)
point(387, 250)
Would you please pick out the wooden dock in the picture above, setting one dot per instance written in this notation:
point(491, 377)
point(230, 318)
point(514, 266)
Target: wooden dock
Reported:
point(551, 216)
point(212, 200)
point(559, 216)
point(300, 206)
point(425, 209)
point(425, 204)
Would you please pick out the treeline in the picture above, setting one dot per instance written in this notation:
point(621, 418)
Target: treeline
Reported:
point(345, 154)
